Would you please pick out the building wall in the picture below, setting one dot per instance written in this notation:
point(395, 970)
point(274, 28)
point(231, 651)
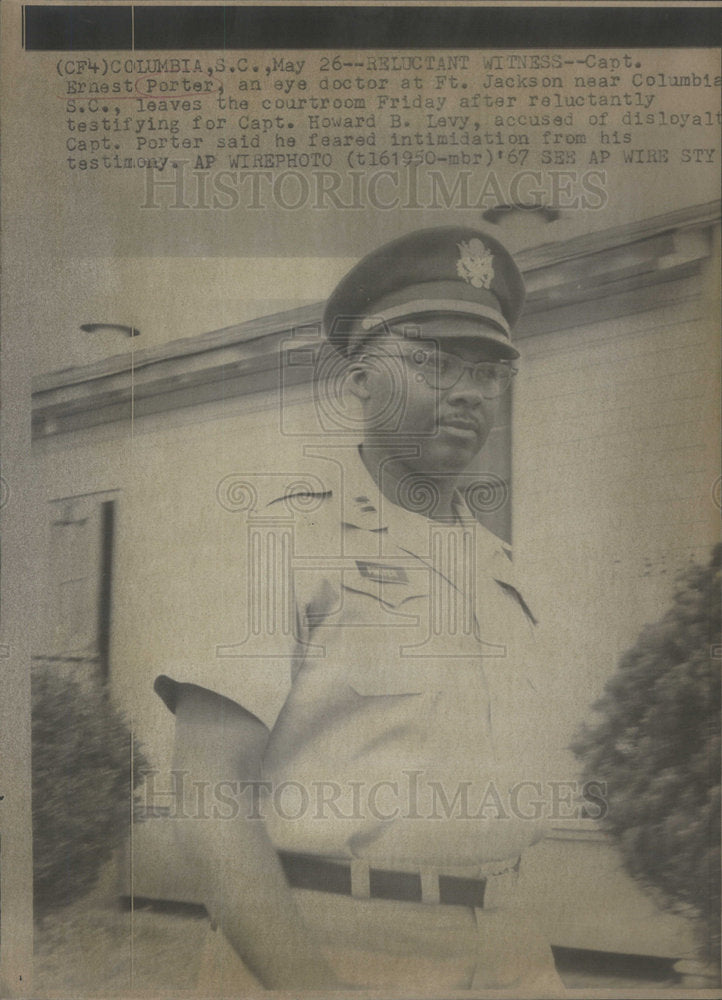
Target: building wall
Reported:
point(179, 554)
point(615, 455)
point(616, 430)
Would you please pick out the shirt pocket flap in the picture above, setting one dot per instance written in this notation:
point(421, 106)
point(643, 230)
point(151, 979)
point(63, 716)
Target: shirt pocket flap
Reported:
point(389, 582)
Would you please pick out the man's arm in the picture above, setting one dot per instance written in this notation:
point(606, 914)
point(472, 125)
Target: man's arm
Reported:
point(245, 889)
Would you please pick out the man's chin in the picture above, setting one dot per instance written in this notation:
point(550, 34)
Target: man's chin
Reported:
point(454, 456)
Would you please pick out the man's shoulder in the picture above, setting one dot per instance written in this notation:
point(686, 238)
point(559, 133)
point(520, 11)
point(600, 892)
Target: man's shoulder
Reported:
point(314, 513)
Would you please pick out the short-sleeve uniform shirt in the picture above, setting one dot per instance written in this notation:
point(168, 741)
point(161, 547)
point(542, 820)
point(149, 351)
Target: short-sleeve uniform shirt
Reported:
point(394, 678)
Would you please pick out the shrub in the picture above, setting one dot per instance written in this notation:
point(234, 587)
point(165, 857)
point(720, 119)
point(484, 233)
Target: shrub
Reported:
point(657, 746)
point(82, 785)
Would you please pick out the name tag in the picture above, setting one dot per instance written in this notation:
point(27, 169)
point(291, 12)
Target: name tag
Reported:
point(382, 572)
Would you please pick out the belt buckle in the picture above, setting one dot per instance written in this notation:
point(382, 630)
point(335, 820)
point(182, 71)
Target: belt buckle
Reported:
point(360, 879)
point(430, 889)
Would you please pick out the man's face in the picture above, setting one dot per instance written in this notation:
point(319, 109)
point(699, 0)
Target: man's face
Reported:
point(448, 424)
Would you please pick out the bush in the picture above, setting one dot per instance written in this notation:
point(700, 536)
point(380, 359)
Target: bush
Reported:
point(657, 746)
point(82, 787)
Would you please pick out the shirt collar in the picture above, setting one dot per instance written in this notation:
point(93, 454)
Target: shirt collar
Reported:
point(366, 507)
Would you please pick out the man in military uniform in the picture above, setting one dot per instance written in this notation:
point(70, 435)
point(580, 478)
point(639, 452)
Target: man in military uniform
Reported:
point(391, 728)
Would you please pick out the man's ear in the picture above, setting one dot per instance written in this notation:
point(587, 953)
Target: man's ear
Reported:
point(357, 378)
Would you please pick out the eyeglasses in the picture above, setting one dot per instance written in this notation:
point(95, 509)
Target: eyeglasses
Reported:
point(440, 370)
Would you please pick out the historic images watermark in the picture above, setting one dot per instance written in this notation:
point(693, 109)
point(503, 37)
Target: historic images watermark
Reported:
point(409, 181)
point(410, 795)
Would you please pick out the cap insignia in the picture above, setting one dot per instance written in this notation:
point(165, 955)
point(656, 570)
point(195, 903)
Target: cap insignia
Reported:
point(475, 264)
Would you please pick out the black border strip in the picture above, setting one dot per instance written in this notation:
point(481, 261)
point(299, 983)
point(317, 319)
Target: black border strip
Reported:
point(107, 27)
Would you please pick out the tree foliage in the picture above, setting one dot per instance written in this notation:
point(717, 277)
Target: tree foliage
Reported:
point(657, 747)
point(82, 785)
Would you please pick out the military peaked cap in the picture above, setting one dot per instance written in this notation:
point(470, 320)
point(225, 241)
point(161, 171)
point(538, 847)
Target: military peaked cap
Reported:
point(448, 270)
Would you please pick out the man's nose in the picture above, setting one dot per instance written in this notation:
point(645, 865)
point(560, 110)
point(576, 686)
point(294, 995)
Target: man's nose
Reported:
point(467, 388)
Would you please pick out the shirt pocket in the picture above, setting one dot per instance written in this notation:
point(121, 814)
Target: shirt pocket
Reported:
point(377, 676)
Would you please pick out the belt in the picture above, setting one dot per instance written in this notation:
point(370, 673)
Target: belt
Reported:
point(306, 871)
